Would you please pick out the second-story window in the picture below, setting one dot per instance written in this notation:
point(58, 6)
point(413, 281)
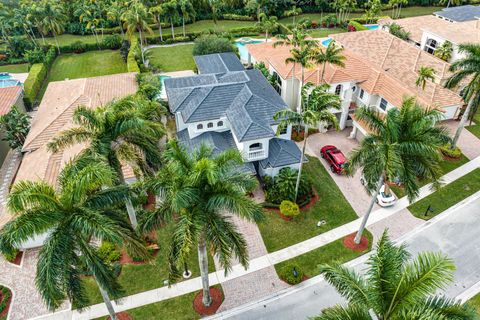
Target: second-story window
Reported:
point(338, 89)
point(200, 126)
point(220, 124)
point(277, 82)
point(383, 104)
point(210, 125)
point(361, 93)
point(283, 130)
point(431, 45)
point(255, 146)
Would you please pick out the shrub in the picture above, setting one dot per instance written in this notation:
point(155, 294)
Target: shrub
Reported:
point(314, 24)
point(116, 269)
point(451, 153)
point(282, 187)
point(18, 45)
point(35, 55)
point(132, 65)
point(112, 42)
point(356, 26)
point(211, 43)
point(78, 47)
point(149, 85)
point(398, 31)
point(287, 273)
point(237, 17)
point(289, 209)
point(10, 255)
point(50, 56)
point(124, 49)
point(34, 82)
point(108, 252)
point(15, 124)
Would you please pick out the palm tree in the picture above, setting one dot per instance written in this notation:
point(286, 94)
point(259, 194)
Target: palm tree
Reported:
point(170, 9)
point(159, 15)
point(200, 187)
point(395, 286)
point(466, 69)
point(444, 51)
point(91, 15)
point(188, 12)
point(81, 209)
point(332, 54)
point(293, 13)
point(136, 18)
point(317, 103)
point(424, 74)
point(403, 144)
point(449, 2)
point(302, 55)
point(115, 12)
point(125, 131)
point(269, 24)
point(397, 7)
point(53, 19)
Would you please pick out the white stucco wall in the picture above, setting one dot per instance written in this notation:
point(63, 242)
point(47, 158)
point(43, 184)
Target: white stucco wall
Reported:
point(440, 40)
point(272, 172)
point(193, 130)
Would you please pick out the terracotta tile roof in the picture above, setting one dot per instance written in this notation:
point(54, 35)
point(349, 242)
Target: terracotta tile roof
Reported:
point(8, 97)
point(456, 32)
point(54, 115)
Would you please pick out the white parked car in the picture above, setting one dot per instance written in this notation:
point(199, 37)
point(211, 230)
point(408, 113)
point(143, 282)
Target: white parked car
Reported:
point(383, 199)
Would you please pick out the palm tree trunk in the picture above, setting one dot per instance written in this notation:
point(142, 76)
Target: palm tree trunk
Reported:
point(183, 22)
point(107, 301)
point(56, 42)
point(448, 4)
point(266, 36)
point(461, 125)
point(297, 184)
point(121, 30)
point(358, 237)
point(171, 26)
point(160, 28)
point(323, 70)
point(203, 263)
point(141, 45)
point(293, 81)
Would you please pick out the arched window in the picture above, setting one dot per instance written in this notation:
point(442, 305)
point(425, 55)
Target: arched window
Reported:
point(431, 45)
point(210, 125)
point(338, 89)
point(199, 126)
point(354, 88)
point(255, 146)
point(220, 124)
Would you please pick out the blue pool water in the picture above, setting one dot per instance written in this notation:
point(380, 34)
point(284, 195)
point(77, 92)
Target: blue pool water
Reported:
point(163, 93)
point(326, 42)
point(371, 26)
point(240, 43)
point(7, 80)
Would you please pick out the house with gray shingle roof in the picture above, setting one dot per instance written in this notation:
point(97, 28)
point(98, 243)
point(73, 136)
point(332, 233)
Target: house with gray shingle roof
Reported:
point(226, 106)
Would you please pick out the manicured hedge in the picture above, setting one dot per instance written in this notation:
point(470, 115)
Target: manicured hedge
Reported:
point(355, 26)
point(287, 274)
point(32, 85)
point(237, 17)
point(132, 65)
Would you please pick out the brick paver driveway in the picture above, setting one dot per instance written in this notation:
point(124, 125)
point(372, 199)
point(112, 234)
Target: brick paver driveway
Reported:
point(351, 187)
point(468, 142)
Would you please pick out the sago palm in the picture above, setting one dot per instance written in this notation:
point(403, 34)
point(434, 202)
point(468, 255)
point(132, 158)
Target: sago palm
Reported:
point(466, 69)
point(126, 131)
point(402, 144)
point(395, 287)
point(317, 104)
point(80, 210)
point(424, 74)
point(200, 188)
point(332, 54)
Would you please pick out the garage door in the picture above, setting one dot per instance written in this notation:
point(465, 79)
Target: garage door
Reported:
point(449, 112)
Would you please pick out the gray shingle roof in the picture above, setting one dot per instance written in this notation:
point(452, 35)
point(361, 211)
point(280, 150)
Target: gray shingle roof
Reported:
point(461, 13)
point(281, 153)
point(218, 63)
point(219, 141)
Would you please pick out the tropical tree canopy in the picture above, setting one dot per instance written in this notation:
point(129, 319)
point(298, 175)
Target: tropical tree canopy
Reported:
point(395, 287)
point(424, 74)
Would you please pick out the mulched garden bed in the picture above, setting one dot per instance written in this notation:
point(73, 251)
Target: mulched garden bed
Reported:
point(121, 316)
point(18, 258)
point(151, 239)
point(4, 311)
point(217, 299)
point(349, 243)
point(307, 206)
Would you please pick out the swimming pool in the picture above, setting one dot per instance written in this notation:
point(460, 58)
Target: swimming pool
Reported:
point(163, 93)
point(7, 80)
point(371, 26)
point(240, 43)
point(326, 42)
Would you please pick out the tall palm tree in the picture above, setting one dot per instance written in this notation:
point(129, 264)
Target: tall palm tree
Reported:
point(317, 103)
point(125, 131)
point(293, 12)
point(136, 18)
point(403, 144)
point(466, 69)
point(171, 11)
point(395, 286)
point(332, 54)
point(159, 15)
point(424, 74)
point(91, 16)
point(200, 187)
point(53, 20)
point(188, 12)
point(81, 209)
point(115, 12)
point(269, 24)
point(444, 51)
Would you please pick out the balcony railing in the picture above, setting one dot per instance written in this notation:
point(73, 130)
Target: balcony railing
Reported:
point(255, 155)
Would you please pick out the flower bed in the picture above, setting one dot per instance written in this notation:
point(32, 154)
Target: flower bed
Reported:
point(5, 300)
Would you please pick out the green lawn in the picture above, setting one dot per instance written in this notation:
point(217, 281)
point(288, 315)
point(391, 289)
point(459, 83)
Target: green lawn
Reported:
point(331, 207)
point(448, 195)
point(15, 68)
point(475, 129)
point(84, 65)
point(68, 39)
point(475, 302)
point(321, 33)
point(331, 252)
point(446, 166)
point(173, 58)
point(139, 278)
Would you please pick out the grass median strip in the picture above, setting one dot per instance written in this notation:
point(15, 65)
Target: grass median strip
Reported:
point(15, 68)
point(332, 252)
point(447, 196)
point(331, 207)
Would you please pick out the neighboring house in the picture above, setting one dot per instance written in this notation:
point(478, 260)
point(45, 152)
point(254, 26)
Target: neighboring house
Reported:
point(380, 70)
point(9, 97)
point(459, 25)
point(226, 106)
point(55, 115)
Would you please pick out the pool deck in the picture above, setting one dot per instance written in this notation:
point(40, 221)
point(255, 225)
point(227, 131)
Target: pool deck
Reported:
point(176, 74)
